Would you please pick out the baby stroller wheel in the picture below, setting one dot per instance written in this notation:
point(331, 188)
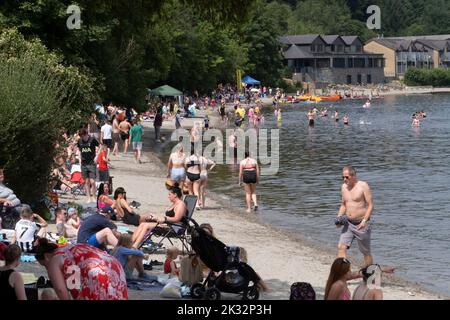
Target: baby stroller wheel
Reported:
point(251, 293)
point(212, 294)
point(197, 291)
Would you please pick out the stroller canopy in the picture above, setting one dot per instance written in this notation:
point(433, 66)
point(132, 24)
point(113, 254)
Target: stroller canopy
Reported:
point(212, 252)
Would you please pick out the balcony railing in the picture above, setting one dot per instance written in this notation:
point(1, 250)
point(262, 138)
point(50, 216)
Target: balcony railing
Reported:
point(414, 56)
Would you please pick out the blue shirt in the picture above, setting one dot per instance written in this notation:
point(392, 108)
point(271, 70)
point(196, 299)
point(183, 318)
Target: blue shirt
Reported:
point(92, 225)
point(122, 254)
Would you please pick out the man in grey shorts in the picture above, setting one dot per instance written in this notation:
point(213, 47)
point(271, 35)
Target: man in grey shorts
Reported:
point(354, 214)
point(87, 148)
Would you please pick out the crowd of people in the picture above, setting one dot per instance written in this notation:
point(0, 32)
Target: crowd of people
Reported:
point(96, 243)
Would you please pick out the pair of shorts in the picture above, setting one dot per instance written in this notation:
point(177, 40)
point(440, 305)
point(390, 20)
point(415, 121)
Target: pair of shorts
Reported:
point(311, 122)
point(124, 136)
point(249, 176)
point(89, 171)
point(178, 174)
point(92, 241)
point(137, 145)
point(193, 176)
point(350, 232)
point(103, 175)
point(131, 219)
point(108, 142)
point(116, 137)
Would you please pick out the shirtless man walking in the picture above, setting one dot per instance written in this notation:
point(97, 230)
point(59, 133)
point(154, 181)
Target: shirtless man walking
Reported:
point(356, 208)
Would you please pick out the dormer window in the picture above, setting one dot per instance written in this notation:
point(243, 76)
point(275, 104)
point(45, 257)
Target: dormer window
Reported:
point(320, 48)
point(313, 48)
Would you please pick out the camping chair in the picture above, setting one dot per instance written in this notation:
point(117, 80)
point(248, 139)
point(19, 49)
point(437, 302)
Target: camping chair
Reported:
point(179, 232)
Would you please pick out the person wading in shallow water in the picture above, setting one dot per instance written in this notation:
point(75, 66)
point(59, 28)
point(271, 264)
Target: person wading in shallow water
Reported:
point(357, 207)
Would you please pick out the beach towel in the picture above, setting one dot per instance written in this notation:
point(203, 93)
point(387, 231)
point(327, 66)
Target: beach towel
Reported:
point(150, 285)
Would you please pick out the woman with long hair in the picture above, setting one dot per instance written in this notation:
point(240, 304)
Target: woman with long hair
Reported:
point(249, 176)
point(103, 199)
point(204, 163)
point(340, 273)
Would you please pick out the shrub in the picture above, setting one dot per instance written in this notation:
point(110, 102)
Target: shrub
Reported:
point(427, 77)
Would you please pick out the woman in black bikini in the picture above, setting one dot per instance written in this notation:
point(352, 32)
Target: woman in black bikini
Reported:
point(249, 176)
point(174, 215)
point(193, 170)
point(125, 212)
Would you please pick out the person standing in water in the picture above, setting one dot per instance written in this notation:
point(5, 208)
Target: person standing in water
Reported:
point(357, 207)
point(336, 116)
point(204, 163)
point(249, 176)
point(345, 119)
point(311, 115)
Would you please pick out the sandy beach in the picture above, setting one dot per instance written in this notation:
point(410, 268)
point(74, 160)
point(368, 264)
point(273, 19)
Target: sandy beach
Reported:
point(280, 258)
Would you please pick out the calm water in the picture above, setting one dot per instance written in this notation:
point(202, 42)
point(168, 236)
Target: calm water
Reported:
point(407, 169)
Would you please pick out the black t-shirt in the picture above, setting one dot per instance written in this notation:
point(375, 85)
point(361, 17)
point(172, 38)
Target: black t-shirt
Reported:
point(92, 225)
point(87, 149)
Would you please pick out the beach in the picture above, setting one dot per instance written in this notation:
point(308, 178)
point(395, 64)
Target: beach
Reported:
point(279, 257)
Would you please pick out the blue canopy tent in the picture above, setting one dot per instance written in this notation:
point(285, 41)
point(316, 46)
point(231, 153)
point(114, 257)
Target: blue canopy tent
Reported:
point(249, 80)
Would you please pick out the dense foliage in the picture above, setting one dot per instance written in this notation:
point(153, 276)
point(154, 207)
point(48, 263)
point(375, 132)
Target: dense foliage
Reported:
point(427, 77)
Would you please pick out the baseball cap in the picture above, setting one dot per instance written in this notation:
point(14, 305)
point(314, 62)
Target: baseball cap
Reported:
point(107, 209)
point(71, 211)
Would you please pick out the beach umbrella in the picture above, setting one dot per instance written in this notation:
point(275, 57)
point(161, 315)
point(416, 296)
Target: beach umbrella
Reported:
point(165, 91)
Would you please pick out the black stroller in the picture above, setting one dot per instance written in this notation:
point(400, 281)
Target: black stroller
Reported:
point(234, 276)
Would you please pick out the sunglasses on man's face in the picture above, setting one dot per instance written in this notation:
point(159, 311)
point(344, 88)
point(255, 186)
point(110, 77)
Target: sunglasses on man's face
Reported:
point(345, 177)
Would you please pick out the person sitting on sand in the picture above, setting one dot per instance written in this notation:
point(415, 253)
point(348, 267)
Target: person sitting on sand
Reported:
point(336, 287)
point(27, 231)
point(98, 230)
point(174, 215)
point(11, 281)
point(170, 266)
point(129, 258)
point(363, 291)
point(73, 223)
point(125, 212)
point(103, 198)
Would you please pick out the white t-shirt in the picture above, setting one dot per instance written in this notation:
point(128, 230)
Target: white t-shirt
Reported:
point(107, 132)
point(25, 233)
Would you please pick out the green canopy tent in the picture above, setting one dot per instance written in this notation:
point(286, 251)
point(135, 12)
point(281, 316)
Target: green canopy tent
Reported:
point(165, 91)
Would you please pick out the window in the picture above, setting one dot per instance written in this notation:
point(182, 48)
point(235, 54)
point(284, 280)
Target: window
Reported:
point(350, 62)
point(313, 48)
point(320, 48)
point(333, 48)
point(369, 78)
point(338, 62)
point(370, 62)
point(340, 48)
point(359, 63)
point(358, 48)
point(349, 79)
point(359, 79)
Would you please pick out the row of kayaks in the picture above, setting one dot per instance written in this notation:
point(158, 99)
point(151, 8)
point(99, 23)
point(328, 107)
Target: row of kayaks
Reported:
point(313, 98)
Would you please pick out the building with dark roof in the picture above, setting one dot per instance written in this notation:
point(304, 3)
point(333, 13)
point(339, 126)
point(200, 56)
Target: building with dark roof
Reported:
point(401, 53)
point(331, 59)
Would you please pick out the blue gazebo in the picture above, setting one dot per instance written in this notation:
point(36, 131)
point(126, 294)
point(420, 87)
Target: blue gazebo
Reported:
point(250, 81)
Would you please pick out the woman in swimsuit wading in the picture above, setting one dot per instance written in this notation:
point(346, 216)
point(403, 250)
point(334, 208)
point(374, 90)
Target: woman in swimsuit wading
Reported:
point(249, 176)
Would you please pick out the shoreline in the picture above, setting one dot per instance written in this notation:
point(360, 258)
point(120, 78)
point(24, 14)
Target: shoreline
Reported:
point(310, 260)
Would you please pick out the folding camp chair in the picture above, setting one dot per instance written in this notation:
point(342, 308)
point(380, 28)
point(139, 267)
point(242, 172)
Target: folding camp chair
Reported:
point(175, 230)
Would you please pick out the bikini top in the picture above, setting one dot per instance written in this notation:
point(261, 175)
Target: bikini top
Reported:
point(193, 163)
point(251, 167)
point(170, 213)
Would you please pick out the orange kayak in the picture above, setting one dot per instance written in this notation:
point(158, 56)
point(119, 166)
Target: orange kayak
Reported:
point(331, 98)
